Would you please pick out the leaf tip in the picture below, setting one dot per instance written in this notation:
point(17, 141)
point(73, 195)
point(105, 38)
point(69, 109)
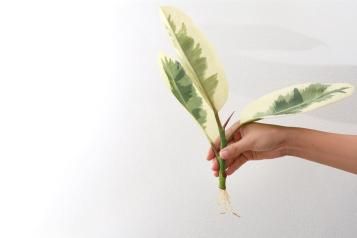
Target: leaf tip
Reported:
point(165, 10)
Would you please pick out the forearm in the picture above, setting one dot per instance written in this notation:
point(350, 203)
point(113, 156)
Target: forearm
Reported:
point(336, 150)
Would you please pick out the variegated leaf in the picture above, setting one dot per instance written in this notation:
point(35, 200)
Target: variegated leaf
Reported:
point(186, 93)
point(197, 57)
point(295, 99)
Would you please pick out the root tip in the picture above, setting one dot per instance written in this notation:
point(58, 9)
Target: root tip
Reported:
point(225, 203)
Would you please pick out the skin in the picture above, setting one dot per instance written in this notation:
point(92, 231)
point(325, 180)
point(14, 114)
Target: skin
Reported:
point(258, 141)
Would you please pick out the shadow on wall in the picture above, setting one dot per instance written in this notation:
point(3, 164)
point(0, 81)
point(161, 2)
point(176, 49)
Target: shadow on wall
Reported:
point(274, 75)
point(263, 37)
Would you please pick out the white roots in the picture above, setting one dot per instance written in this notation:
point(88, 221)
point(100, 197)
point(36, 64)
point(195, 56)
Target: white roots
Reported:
point(225, 203)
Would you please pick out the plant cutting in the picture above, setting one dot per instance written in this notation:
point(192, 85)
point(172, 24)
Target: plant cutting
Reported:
point(197, 80)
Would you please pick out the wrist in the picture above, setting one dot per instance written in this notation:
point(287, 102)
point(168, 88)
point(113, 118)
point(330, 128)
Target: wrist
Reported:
point(290, 139)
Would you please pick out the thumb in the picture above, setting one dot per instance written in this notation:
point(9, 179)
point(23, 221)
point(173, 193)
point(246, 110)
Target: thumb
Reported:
point(234, 150)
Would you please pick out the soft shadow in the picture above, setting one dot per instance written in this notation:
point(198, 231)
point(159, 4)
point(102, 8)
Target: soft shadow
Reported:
point(247, 72)
point(262, 37)
point(255, 77)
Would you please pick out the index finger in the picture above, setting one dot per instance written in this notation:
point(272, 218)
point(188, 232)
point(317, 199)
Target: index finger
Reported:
point(210, 154)
point(229, 132)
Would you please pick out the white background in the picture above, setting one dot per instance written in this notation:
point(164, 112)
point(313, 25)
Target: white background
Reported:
point(92, 144)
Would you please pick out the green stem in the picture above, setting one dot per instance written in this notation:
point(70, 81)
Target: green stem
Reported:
point(221, 162)
point(221, 173)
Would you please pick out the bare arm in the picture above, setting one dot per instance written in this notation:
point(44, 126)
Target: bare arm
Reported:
point(258, 141)
point(335, 150)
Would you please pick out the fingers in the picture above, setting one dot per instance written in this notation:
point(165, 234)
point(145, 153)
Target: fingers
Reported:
point(237, 136)
point(231, 131)
point(231, 134)
point(234, 150)
point(236, 165)
point(211, 154)
point(215, 166)
point(231, 165)
point(244, 157)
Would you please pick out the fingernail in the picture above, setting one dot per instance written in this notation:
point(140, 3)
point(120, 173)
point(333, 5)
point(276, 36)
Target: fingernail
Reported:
point(223, 153)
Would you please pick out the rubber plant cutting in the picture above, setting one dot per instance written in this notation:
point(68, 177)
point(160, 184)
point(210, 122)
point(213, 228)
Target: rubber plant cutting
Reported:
point(196, 78)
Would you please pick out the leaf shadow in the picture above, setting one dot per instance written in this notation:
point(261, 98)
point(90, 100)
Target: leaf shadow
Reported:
point(245, 72)
point(262, 37)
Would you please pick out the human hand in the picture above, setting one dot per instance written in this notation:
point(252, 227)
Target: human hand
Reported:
point(253, 141)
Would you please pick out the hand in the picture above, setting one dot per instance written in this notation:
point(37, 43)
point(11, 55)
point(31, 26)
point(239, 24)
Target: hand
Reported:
point(254, 141)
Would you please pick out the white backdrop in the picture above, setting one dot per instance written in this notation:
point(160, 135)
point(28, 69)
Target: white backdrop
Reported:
point(92, 144)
